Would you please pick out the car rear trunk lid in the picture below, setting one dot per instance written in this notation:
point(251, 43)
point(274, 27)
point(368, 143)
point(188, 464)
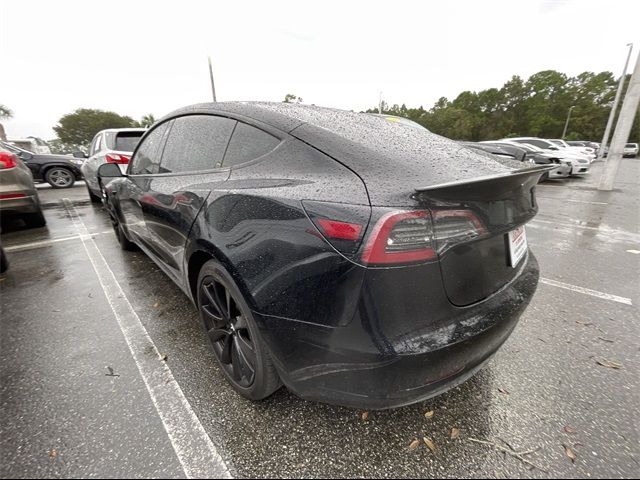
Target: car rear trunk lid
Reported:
point(472, 220)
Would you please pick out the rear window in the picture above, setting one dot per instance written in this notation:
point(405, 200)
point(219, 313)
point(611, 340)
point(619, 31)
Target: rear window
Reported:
point(248, 143)
point(631, 145)
point(127, 141)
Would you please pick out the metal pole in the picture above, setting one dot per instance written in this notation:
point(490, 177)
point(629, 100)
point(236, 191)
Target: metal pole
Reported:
point(612, 114)
point(380, 103)
point(566, 124)
point(213, 87)
point(623, 129)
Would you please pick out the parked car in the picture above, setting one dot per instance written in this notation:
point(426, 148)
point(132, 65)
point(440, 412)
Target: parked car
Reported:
point(630, 150)
point(31, 144)
point(562, 168)
point(588, 152)
point(579, 163)
point(18, 195)
point(59, 171)
point(507, 151)
point(114, 145)
point(358, 261)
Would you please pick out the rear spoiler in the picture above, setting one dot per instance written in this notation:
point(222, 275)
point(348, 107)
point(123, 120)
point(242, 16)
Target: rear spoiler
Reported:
point(487, 185)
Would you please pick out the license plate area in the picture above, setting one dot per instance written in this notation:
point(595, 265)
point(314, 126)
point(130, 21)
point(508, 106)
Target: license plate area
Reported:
point(517, 241)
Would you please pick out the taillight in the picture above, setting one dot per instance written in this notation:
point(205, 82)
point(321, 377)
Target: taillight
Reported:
point(10, 196)
point(116, 158)
point(7, 160)
point(400, 238)
point(414, 236)
point(455, 226)
point(340, 230)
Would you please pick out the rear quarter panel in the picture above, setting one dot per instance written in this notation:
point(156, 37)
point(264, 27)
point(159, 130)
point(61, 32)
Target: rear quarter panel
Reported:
point(257, 226)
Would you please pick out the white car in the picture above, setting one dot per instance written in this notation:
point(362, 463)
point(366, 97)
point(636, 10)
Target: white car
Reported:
point(630, 150)
point(114, 145)
point(579, 163)
point(587, 151)
point(548, 145)
point(541, 157)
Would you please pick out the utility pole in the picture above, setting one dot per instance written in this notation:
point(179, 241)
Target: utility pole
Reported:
point(612, 114)
point(213, 87)
point(566, 124)
point(623, 129)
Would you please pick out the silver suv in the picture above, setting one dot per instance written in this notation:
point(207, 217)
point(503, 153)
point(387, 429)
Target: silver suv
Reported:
point(114, 145)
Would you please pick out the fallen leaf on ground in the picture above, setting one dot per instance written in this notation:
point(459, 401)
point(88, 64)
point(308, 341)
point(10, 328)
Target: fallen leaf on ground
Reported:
point(503, 390)
point(568, 429)
point(429, 443)
point(155, 305)
point(455, 433)
point(53, 453)
point(164, 358)
point(365, 415)
point(429, 414)
point(570, 453)
point(609, 364)
point(415, 444)
point(605, 340)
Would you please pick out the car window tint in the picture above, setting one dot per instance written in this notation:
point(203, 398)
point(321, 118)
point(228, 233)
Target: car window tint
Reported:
point(248, 143)
point(146, 160)
point(196, 142)
point(127, 141)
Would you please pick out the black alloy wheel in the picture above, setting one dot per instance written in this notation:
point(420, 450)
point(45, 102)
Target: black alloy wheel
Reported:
point(228, 322)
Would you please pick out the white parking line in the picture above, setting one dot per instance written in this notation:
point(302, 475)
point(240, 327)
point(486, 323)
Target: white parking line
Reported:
point(194, 449)
point(50, 241)
point(586, 291)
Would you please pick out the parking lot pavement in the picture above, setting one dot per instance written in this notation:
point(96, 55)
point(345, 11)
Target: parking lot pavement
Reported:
point(565, 383)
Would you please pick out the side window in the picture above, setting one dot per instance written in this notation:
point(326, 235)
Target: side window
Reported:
point(94, 145)
point(146, 160)
point(196, 142)
point(248, 143)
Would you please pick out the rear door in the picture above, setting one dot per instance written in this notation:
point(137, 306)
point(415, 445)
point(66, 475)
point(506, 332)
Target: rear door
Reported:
point(191, 167)
point(133, 195)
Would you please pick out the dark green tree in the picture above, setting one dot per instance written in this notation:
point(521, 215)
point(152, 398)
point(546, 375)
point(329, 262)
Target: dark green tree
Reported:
point(79, 128)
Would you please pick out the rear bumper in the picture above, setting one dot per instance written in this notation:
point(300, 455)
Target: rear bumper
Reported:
point(365, 365)
point(16, 206)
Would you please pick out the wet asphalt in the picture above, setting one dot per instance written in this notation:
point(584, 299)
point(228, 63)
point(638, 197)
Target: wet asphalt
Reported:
point(73, 402)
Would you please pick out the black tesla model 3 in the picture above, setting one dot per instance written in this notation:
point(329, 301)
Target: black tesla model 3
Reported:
point(354, 258)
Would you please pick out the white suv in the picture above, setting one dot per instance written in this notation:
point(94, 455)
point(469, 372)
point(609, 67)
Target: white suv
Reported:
point(630, 150)
point(114, 145)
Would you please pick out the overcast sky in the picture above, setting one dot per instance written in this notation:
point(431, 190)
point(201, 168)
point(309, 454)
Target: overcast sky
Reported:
point(135, 57)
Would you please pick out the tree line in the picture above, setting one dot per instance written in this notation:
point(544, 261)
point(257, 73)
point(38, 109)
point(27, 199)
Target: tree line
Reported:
point(535, 107)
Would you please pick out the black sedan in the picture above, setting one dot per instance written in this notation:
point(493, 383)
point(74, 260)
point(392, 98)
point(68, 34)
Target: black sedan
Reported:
point(356, 260)
point(59, 171)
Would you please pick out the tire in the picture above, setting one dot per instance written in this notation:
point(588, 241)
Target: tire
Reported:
point(233, 334)
point(93, 197)
point(60, 177)
point(123, 241)
point(4, 263)
point(35, 220)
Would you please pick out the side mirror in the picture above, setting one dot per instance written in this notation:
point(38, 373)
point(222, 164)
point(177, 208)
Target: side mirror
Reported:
point(26, 156)
point(109, 170)
point(80, 154)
